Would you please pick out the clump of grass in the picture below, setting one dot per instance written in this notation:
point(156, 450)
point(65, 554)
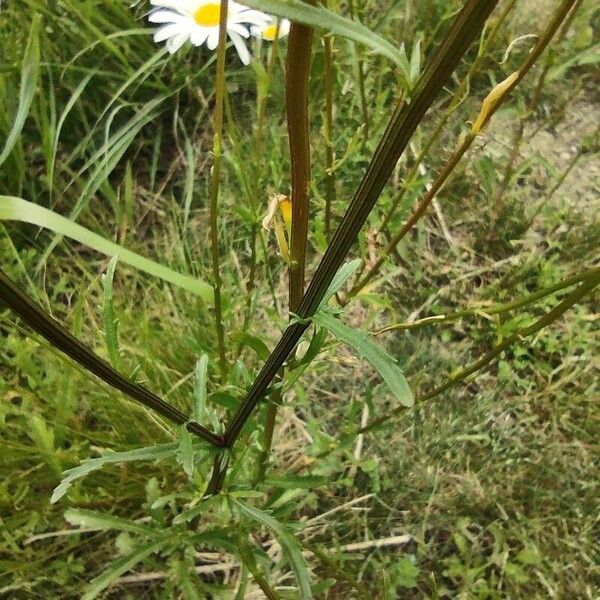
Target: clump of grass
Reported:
point(453, 496)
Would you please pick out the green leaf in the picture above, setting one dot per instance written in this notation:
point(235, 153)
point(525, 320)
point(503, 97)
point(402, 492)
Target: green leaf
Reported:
point(201, 412)
point(109, 318)
point(124, 564)
point(529, 556)
point(251, 341)
point(406, 572)
point(90, 519)
point(345, 272)
point(322, 18)
point(17, 209)
point(246, 552)
point(185, 452)
point(29, 77)
point(292, 482)
point(367, 349)
point(94, 464)
point(290, 547)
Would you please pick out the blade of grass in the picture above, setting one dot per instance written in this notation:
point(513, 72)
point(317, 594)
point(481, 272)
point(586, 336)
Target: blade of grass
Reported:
point(110, 322)
point(322, 18)
point(17, 209)
point(29, 78)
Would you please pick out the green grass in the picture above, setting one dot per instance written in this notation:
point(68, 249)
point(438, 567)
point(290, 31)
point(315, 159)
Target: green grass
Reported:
point(495, 482)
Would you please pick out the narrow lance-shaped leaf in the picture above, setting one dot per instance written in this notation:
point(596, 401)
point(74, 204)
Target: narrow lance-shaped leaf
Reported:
point(365, 347)
point(109, 318)
point(124, 564)
point(97, 521)
point(29, 78)
point(289, 545)
point(322, 18)
point(17, 209)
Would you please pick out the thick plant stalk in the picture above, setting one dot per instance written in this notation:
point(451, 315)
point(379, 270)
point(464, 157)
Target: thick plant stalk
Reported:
point(41, 322)
point(296, 84)
point(490, 105)
point(297, 76)
point(466, 26)
point(214, 189)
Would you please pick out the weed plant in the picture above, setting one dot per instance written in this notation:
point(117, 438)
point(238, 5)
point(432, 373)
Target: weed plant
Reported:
point(323, 325)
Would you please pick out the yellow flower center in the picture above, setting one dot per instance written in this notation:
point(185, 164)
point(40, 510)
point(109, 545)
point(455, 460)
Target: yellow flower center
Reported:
point(208, 15)
point(269, 32)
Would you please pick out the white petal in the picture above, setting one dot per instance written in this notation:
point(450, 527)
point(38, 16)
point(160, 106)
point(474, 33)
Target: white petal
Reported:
point(239, 29)
point(213, 38)
point(254, 17)
point(181, 6)
point(176, 42)
point(240, 46)
point(198, 36)
point(167, 32)
point(284, 27)
point(165, 16)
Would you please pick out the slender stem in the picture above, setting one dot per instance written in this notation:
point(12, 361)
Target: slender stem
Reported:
point(495, 309)
point(454, 103)
point(573, 298)
point(214, 188)
point(329, 155)
point(41, 322)
point(360, 72)
point(466, 26)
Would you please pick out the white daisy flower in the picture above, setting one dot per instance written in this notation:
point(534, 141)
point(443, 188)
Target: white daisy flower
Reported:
point(269, 30)
point(198, 22)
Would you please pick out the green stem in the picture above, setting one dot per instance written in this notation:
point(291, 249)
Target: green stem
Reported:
point(214, 188)
point(329, 155)
point(495, 309)
point(487, 112)
point(573, 298)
